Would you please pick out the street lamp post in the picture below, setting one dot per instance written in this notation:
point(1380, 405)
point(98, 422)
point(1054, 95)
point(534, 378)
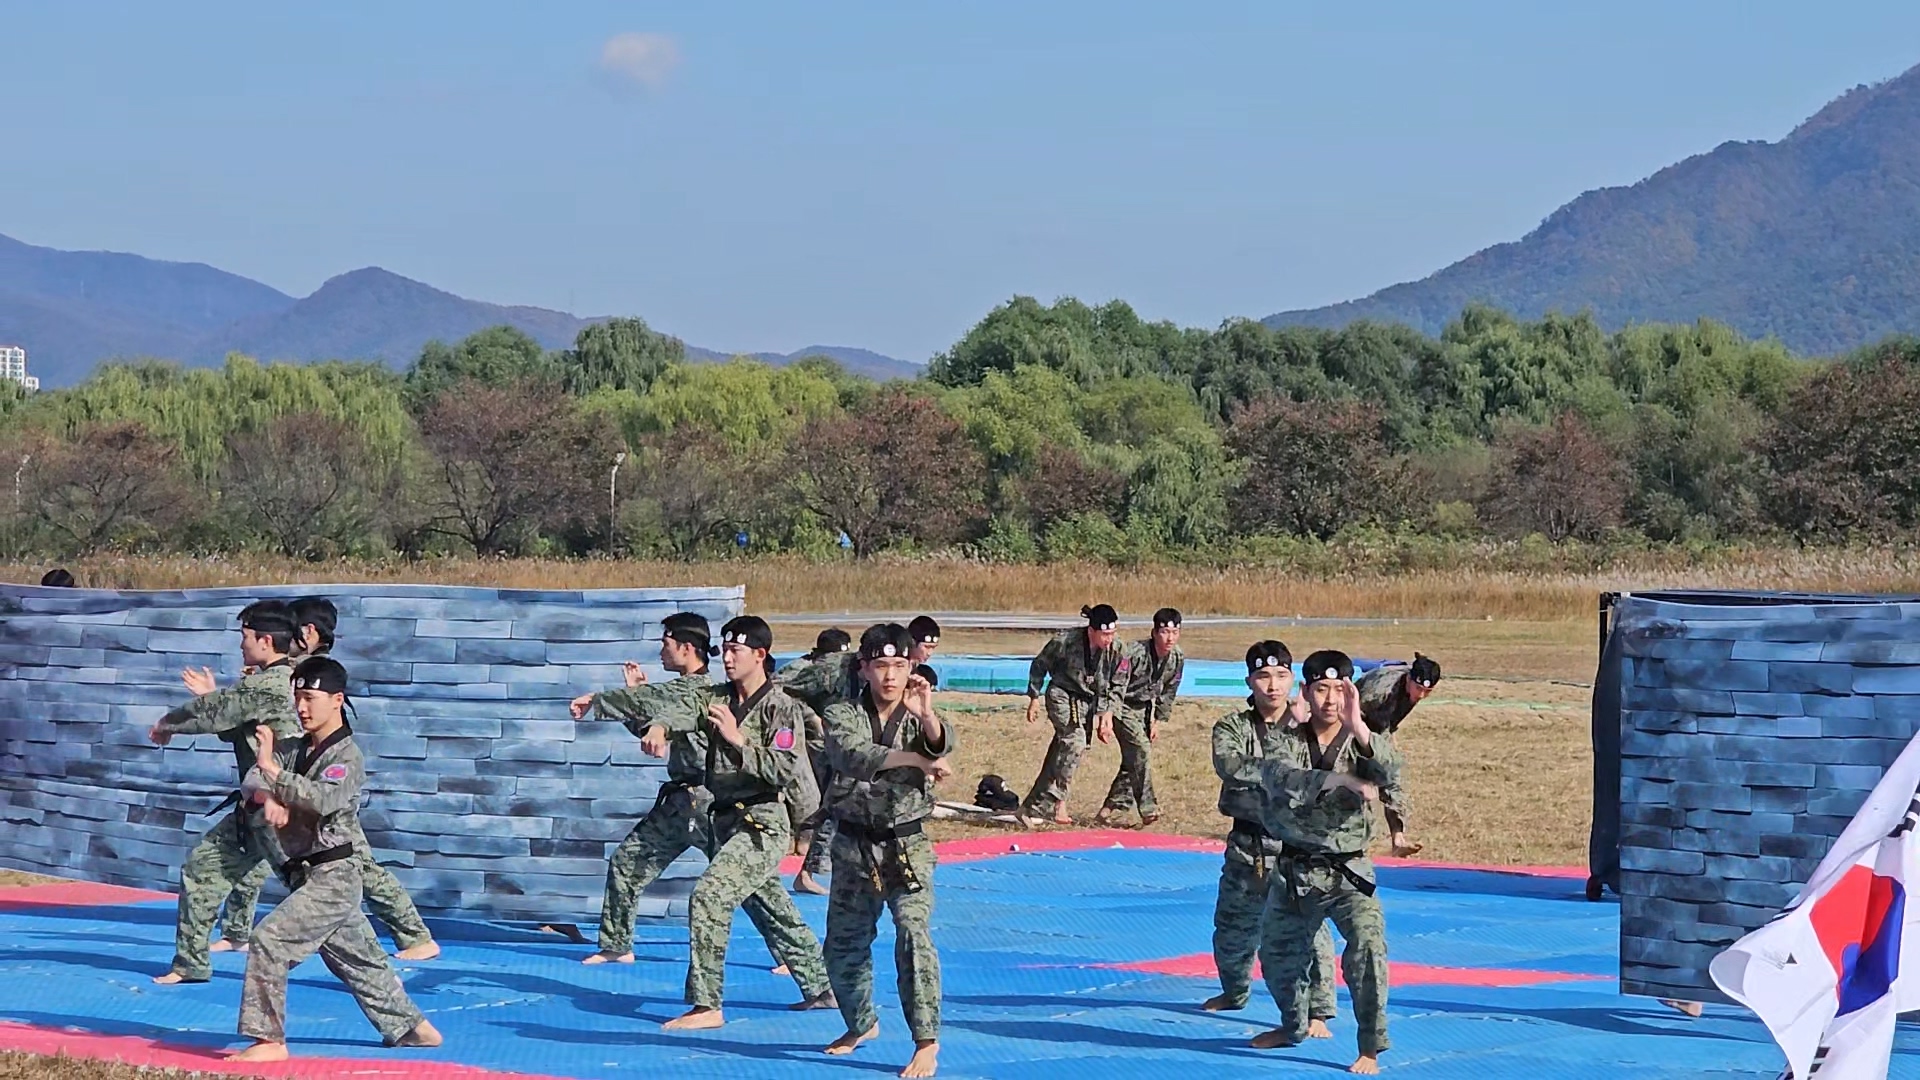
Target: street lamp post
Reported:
point(613, 496)
point(13, 527)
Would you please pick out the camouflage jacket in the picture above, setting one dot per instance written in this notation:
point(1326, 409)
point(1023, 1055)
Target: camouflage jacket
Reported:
point(1303, 810)
point(641, 707)
point(321, 790)
point(1152, 680)
point(1241, 741)
point(858, 741)
point(1383, 696)
point(772, 761)
point(820, 683)
point(1074, 669)
point(817, 684)
point(264, 697)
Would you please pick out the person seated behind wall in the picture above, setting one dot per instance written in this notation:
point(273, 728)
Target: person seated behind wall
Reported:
point(57, 578)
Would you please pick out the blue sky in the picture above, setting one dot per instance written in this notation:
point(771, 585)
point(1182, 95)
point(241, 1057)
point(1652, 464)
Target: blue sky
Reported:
point(760, 176)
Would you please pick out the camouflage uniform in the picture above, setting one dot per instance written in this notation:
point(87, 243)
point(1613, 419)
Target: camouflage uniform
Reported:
point(818, 683)
point(236, 846)
point(882, 858)
point(680, 820)
point(1079, 685)
point(1323, 872)
point(387, 898)
point(1383, 704)
point(321, 791)
point(1151, 683)
point(1241, 740)
point(751, 831)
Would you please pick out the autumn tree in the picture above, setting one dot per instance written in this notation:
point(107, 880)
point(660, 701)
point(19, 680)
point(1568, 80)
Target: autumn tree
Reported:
point(511, 461)
point(1843, 455)
point(693, 489)
point(110, 485)
point(1561, 480)
point(897, 470)
point(1064, 482)
point(1310, 468)
point(304, 483)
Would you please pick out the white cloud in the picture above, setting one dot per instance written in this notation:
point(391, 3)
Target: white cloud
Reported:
point(641, 60)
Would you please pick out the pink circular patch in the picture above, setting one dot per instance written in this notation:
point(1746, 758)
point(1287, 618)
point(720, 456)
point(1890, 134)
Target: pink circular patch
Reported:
point(783, 739)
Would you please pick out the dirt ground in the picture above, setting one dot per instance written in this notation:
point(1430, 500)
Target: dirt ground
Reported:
point(31, 1067)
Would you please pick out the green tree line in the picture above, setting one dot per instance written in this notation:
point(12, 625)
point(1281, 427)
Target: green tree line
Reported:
point(1046, 432)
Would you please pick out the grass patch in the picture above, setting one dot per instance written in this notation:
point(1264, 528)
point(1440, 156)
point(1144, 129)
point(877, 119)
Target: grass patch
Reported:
point(1498, 772)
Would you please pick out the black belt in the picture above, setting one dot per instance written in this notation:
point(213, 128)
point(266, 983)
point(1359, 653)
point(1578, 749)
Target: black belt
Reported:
point(739, 807)
point(303, 863)
point(1324, 860)
point(865, 835)
point(1248, 828)
point(232, 799)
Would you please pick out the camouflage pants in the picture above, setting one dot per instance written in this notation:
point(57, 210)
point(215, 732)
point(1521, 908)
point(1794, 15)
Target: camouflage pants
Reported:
point(743, 868)
point(323, 915)
point(226, 856)
point(853, 922)
point(669, 830)
point(385, 895)
point(1238, 915)
point(1290, 940)
point(1132, 787)
point(1393, 803)
point(236, 914)
point(820, 844)
point(1070, 718)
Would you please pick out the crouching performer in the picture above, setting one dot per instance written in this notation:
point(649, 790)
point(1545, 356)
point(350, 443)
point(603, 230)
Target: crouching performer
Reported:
point(313, 808)
point(886, 750)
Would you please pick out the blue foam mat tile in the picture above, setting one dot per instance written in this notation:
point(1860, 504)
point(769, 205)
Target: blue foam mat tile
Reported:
point(1034, 951)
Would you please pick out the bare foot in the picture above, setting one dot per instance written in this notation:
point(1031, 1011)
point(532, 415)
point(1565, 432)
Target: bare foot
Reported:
point(695, 1019)
point(1318, 1029)
point(1147, 820)
point(823, 1000)
point(1222, 1003)
point(926, 1059)
point(804, 882)
point(262, 1051)
point(426, 950)
point(1104, 819)
point(1026, 820)
point(223, 945)
point(846, 1043)
point(1407, 851)
point(609, 958)
point(1365, 1065)
point(424, 1034)
point(174, 978)
point(1689, 1008)
point(782, 970)
point(1273, 1039)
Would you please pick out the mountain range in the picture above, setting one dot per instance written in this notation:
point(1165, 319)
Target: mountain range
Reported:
point(1814, 239)
point(71, 310)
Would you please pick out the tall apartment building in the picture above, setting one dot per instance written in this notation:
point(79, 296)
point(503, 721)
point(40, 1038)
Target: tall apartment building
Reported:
point(13, 365)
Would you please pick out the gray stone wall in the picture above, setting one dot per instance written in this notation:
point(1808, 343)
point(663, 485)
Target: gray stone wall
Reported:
point(1750, 735)
point(484, 797)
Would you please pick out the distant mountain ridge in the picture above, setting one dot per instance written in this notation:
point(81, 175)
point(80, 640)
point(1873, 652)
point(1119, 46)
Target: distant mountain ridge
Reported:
point(1814, 239)
point(72, 310)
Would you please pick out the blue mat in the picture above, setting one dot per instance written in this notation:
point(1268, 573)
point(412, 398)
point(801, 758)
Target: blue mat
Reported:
point(1056, 966)
point(1008, 674)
